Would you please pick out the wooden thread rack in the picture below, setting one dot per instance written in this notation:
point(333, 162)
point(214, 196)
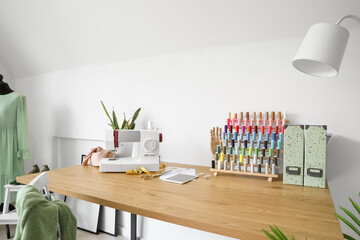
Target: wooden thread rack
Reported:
point(230, 145)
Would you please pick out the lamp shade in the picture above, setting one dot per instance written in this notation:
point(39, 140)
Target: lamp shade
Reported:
point(322, 50)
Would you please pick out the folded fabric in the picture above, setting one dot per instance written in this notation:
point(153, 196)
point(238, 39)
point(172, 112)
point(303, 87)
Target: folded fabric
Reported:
point(95, 155)
point(39, 218)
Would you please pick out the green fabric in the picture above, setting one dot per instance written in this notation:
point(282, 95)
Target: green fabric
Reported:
point(14, 138)
point(39, 218)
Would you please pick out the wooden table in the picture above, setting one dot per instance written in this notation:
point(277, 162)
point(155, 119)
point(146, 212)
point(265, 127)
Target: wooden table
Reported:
point(230, 205)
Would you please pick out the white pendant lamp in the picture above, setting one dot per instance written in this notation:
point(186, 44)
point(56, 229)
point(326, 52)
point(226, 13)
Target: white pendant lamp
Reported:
point(322, 50)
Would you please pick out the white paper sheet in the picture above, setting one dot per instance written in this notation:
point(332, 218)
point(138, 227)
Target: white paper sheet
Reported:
point(172, 171)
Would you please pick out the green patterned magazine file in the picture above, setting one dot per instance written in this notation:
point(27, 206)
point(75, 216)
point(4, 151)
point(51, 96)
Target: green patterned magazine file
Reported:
point(293, 167)
point(315, 156)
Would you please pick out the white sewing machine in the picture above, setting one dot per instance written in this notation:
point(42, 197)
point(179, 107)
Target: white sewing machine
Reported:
point(147, 155)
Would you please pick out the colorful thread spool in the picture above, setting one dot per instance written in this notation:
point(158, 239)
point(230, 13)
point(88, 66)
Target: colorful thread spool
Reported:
point(279, 144)
point(245, 143)
point(266, 168)
point(225, 128)
point(259, 168)
point(218, 148)
point(237, 129)
point(274, 136)
point(243, 151)
point(241, 136)
point(249, 128)
point(281, 137)
point(224, 150)
point(241, 158)
point(272, 144)
point(250, 151)
point(269, 129)
point(270, 152)
point(229, 135)
point(258, 144)
point(273, 169)
point(260, 136)
point(267, 137)
point(223, 135)
point(254, 136)
point(222, 157)
point(277, 129)
point(265, 144)
point(261, 159)
point(230, 128)
point(226, 142)
point(233, 142)
point(237, 150)
point(230, 150)
point(243, 128)
point(248, 136)
point(235, 135)
point(282, 129)
point(263, 152)
point(256, 151)
point(234, 158)
point(256, 129)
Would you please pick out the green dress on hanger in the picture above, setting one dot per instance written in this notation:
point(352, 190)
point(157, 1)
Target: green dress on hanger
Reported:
point(14, 138)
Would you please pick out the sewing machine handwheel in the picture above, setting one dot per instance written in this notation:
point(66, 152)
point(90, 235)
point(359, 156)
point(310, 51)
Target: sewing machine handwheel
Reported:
point(150, 144)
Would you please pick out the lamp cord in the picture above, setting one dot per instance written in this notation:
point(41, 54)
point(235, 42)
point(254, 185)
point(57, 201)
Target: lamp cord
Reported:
point(356, 18)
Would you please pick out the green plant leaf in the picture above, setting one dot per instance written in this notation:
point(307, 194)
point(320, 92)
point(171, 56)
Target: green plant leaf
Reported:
point(124, 122)
point(348, 237)
point(107, 114)
point(348, 223)
point(277, 232)
point(136, 114)
point(269, 235)
point(355, 205)
point(350, 214)
point(116, 124)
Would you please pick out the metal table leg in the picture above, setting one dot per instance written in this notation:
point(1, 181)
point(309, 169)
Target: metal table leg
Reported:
point(133, 226)
point(7, 231)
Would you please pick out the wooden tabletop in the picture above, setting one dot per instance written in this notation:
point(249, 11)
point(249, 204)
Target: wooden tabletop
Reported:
point(230, 205)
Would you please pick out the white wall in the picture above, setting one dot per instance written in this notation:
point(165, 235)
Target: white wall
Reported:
point(187, 64)
point(7, 77)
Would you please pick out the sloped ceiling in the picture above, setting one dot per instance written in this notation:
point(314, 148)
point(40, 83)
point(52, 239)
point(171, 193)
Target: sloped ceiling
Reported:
point(40, 35)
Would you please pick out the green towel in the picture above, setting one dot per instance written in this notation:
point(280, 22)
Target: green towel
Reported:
point(39, 218)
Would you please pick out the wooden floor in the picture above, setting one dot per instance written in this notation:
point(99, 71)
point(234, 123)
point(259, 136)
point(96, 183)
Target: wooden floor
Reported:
point(81, 235)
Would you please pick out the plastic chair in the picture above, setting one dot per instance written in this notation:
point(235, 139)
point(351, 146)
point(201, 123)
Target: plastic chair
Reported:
point(40, 182)
point(7, 217)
